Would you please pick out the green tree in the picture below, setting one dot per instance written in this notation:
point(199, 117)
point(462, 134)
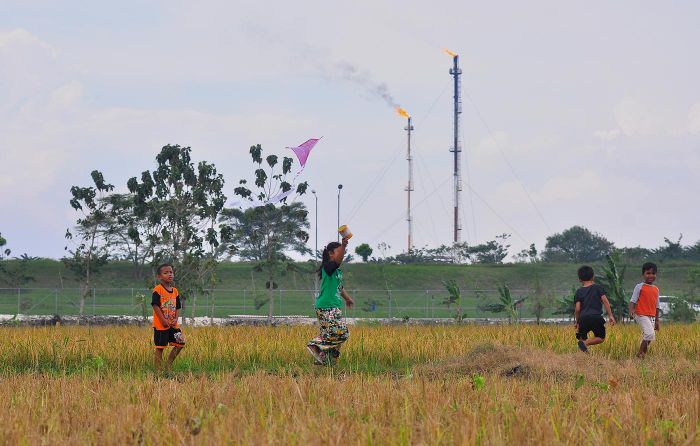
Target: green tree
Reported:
point(527, 255)
point(540, 301)
point(3, 252)
point(183, 202)
point(454, 297)
point(693, 281)
point(364, 251)
point(681, 311)
point(91, 252)
point(266, 232)
point(671, 250)
point(491, 252)
point(612, 279)
point(576, 244)
point(13, 273)
point(566, 304)
point(507, 304)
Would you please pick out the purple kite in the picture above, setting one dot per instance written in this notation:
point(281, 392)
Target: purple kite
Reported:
point(302, 152)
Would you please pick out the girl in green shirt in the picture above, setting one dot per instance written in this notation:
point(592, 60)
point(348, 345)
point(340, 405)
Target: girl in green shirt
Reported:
point(325, 348)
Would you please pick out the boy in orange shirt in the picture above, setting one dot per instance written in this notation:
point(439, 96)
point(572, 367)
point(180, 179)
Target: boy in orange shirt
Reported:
point(644, 307)
point(166, 329)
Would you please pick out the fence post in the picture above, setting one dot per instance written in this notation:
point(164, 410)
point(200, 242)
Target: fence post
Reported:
point(426, 303)
point(56, 299)
point(94, 313)
point(211, 304)
point(280, 301)
point(389, 303)
point(19, 300)
point(244, 294)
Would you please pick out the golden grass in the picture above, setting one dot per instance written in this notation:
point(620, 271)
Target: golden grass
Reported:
point(394, 385)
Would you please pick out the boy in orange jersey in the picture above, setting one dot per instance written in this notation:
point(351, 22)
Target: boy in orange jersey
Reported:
point(166, 329)
point(644, 307)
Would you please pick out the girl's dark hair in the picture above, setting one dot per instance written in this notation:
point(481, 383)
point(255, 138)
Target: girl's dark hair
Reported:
point(325, 257)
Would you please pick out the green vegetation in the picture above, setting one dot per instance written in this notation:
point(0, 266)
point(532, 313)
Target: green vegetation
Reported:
point(415, 290)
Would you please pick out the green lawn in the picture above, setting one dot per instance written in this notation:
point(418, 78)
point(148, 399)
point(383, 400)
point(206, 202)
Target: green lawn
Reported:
point(416, 290)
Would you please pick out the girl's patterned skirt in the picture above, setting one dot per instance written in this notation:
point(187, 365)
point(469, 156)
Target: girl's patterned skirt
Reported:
point(333, 331)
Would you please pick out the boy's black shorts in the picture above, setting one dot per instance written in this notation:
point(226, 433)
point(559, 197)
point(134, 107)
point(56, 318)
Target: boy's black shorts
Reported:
point(593, 323)
point(163, 338)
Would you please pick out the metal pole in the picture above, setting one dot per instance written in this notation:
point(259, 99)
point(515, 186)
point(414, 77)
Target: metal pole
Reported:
point(426, 303)
point(340, 187)
point(389, 304)
point(94, 313)
point(409, 188)
point(244, 293)
point(19, 301)
point(56, 300)
point(456, 149)
point(316, 226)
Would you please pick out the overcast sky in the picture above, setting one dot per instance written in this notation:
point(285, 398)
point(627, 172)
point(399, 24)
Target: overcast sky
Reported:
point(575, 113)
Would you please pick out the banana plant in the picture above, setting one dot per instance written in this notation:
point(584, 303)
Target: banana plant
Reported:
point(613, 282)
point(507, 304)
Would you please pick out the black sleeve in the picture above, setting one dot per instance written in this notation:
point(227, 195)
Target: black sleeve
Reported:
point(578, 297)
point(155, 299)
point(178, 304)
point(601, 291)
point(330, 267)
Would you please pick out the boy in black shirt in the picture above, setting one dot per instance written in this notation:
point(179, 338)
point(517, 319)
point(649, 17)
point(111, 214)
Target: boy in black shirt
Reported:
point(589, 300)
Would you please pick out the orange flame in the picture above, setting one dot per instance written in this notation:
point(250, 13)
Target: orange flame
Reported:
point(402, 112)
point(451, 53)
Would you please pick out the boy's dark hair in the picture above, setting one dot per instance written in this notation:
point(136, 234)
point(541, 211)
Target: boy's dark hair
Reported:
point(325, 257)
point(649, 266)
point(161, 266)
point(585, 273)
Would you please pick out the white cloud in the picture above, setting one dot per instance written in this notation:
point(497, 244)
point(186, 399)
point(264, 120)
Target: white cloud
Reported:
point(647, 118)
point(694, 119)
point(66, 96)
point(21, 39)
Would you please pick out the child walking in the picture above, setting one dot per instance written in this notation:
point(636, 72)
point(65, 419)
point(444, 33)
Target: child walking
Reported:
point(166, 328)
point(590, 300)
point(644, 307)
point(325, 348)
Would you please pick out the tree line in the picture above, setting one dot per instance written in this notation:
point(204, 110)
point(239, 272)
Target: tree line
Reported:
point(573, 245)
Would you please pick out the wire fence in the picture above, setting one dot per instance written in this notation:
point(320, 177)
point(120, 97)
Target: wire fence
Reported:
point(222, 303)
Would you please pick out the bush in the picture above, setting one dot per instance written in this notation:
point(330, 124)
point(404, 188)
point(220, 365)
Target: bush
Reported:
point(681, 311)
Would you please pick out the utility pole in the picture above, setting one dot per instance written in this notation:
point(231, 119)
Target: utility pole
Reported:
point(316, 226)
point(340, 187)
point(456, 72)
point(409, 188)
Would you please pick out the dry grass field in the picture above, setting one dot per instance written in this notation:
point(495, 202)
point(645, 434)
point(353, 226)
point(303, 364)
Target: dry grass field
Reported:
point(394, 385)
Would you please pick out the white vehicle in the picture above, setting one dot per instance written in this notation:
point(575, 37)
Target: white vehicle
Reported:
point(666, 301)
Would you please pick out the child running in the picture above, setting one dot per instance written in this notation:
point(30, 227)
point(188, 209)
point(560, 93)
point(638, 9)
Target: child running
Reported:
point(325, 348)
point(590, 300)
point(644, 307)
point(166, 329)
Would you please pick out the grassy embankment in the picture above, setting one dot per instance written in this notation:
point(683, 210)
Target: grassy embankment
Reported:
point(417, 290)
